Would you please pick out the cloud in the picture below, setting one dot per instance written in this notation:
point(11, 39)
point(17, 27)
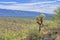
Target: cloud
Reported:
point(45, 7)
point(7, 2)
point(37, 3)
point(27, 3)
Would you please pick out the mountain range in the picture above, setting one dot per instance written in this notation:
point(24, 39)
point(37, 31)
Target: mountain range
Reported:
point(20, 13)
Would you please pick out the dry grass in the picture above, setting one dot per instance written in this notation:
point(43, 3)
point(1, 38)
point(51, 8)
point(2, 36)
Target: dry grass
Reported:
point(18, 28)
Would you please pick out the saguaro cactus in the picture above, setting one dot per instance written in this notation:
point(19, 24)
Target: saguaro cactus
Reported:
point(40, 20)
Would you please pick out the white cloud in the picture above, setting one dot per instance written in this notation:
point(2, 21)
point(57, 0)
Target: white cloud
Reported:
point(37, 7)
point(38, 3)
point(7, 2)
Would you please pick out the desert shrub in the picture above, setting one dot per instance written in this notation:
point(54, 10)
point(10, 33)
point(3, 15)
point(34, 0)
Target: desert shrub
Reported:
point(5, 37)
point(33, 35)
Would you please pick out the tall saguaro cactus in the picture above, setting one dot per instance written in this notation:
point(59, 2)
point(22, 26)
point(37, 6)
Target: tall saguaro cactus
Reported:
point(40, 21)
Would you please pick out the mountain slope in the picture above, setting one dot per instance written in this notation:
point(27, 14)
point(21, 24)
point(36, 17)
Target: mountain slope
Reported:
point(19, 13)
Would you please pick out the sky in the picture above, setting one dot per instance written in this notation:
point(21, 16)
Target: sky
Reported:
point(45, 6)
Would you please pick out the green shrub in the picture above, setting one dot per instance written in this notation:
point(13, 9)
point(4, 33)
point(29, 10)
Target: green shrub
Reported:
point(33, 35)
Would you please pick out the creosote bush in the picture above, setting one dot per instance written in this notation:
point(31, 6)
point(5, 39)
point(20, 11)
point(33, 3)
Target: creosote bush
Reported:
point(33, 35)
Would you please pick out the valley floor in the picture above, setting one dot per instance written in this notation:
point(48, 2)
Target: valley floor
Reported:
point(19, 28)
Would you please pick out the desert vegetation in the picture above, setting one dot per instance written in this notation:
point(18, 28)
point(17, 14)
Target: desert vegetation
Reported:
point(28, 29)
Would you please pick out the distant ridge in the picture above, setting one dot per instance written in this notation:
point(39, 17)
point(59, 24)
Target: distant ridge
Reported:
point(19, 13)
